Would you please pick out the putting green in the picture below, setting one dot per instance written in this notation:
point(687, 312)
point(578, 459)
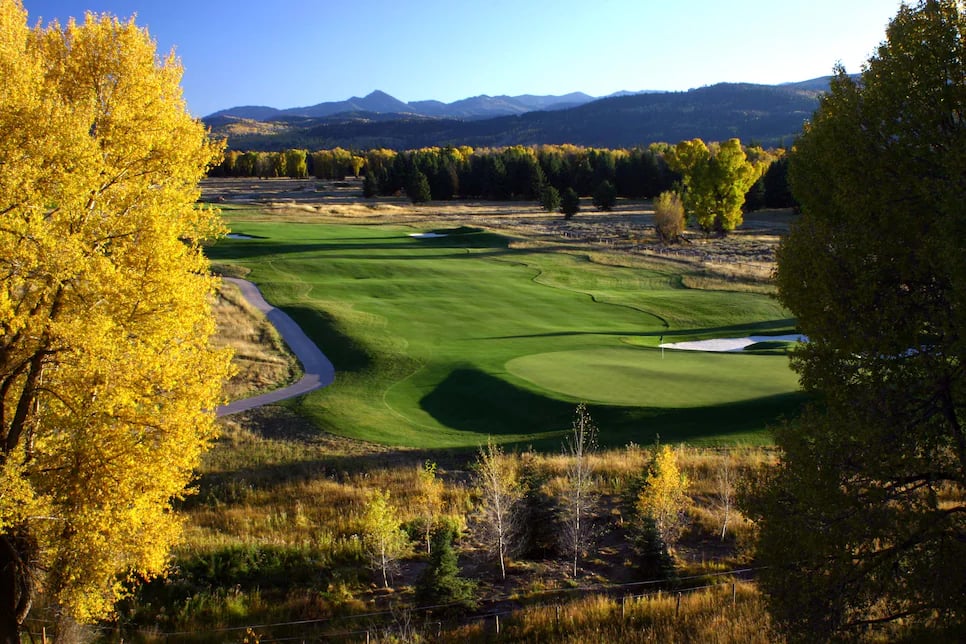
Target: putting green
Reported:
point(652, 378)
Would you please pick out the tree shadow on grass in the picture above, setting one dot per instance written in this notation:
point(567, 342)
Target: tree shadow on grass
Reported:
point(743, 421)
point(490, 407)
point(768, 327)
point(361, 247)
point(474, 401)
point(344, 351)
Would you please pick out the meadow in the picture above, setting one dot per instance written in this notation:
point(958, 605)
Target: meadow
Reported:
point(443, 341)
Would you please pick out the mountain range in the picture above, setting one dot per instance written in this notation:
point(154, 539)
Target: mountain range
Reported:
point(771, 115)
point(378, 102)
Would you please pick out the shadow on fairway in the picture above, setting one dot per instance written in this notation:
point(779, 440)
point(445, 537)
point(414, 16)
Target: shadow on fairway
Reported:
point(769, 327)
point(473, 401)
point(345, 353)
point(228, 249)
point(747, 421)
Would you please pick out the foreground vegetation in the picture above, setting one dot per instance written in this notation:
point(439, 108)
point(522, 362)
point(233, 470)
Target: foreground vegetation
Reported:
point(278, 535)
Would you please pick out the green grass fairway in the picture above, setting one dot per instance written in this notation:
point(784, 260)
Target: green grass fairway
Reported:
point(439, 342)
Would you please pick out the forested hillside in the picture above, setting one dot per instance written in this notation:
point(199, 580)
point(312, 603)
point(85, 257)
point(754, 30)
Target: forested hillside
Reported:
point(771, 115)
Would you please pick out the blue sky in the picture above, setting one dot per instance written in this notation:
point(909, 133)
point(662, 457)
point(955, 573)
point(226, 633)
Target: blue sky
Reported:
point(300, 52)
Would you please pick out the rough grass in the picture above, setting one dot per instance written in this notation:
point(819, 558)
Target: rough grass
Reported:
point(273, 538)
point(261, 360)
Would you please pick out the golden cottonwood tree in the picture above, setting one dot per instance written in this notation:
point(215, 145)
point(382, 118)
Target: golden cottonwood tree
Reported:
point(384, 539)
point(107, 378)
point(716, 179)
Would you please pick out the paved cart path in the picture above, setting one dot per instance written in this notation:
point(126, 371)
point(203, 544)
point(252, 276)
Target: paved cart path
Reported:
point(318, 370)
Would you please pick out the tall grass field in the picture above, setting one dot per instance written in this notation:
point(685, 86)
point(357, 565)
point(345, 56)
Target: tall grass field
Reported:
point(442, 341)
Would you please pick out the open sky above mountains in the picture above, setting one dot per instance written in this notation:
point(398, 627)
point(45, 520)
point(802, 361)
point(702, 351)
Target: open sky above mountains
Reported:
point(252, 52)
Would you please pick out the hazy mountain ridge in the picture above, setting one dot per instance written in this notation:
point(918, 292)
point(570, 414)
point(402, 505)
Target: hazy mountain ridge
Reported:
point(380, 102)
point(768, 114)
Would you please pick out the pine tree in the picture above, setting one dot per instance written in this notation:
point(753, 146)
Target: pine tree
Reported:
point(569, 203)
point(440, 582)
point(863, 522)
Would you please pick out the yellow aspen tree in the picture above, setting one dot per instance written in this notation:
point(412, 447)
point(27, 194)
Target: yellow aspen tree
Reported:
point(429, 500)
point(498, 515)
point(664, 497)
point(384, 540)
point(108, 381)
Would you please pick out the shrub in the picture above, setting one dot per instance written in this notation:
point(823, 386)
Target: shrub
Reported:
point(669, 216)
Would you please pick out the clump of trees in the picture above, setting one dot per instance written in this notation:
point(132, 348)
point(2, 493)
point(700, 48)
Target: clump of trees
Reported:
point(863, 522)
point(715, 180)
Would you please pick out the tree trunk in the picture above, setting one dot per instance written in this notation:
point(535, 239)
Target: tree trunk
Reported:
point(385, 569)
point(14, 591)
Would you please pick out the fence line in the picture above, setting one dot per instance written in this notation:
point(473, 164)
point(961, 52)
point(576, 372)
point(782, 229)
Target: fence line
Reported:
point(617, 591)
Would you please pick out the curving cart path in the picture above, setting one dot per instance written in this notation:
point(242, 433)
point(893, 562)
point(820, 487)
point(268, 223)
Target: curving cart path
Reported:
point(318, 370)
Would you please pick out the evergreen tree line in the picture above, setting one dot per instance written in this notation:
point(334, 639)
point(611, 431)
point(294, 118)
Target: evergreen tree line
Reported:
point(515, 172)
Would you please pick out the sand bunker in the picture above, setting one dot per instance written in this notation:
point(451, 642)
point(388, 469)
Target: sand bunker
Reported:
point(731, 344)
point(426, 235)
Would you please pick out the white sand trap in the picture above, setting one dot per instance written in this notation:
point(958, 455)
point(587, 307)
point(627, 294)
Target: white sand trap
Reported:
point(426, 235)
point(238, 236)
point(731, 344)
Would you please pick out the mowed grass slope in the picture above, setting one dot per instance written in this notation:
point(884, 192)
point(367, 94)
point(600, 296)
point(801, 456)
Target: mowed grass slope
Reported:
point(440, 342)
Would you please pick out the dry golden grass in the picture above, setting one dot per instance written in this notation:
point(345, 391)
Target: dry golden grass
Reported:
point(716, 615)
point(262, 362)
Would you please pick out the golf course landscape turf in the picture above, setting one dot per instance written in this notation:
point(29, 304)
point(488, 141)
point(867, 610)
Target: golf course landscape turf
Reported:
point(443, 340)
